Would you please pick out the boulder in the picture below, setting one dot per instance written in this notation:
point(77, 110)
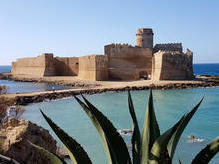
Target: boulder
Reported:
point(15, 144)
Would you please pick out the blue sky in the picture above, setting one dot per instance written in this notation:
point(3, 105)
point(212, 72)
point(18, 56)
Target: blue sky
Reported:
point(76, 27)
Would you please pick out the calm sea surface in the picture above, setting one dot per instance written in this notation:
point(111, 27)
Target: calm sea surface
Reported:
point(206, 69)
point(170, 105)
point(5, 69)
point(16, 87)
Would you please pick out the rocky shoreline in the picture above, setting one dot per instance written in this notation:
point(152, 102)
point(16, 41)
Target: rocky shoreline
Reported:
point(35, 97)
point(16, 141)
point(75, 83)
point(24, 100)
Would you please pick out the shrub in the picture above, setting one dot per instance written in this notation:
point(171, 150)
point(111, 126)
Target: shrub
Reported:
point(4, 104)
point(3, 89)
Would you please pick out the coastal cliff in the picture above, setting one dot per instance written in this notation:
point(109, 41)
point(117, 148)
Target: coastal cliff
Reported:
point(14, 142)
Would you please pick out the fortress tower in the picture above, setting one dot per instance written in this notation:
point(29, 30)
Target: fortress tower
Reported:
point(144, 38)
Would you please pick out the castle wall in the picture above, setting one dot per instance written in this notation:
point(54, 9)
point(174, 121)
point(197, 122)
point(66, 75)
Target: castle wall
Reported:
point(93, 67)
point(172, 66)
point(36, 66)
point(128, 63)
point(168, 47)
point(66, 66)
point(120, 62)
point(49, 65)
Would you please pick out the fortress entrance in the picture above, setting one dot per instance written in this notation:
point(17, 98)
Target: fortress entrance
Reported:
point(144, 75)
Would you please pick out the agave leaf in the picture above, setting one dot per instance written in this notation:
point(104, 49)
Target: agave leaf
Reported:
point(99, 129)
point(116, 146)
point(159, 153)
point(53, 158)
point(136, 137)
point(77, 154)
point(175, 138)
point(150, 131)
point(206, 154)
point(8, 159)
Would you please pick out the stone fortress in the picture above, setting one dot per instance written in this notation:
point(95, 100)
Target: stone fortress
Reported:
point(121, 62)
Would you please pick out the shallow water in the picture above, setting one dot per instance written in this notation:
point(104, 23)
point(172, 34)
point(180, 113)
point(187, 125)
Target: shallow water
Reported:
point(20, 87)
point(170, 105)
point(17, 87)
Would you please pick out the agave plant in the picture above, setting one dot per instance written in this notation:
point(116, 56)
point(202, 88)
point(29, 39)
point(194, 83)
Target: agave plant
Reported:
point(150, 147)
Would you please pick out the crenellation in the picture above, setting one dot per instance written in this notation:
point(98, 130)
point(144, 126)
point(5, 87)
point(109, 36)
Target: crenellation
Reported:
point(172, 65)
point(168, 47)
point(144, 38)
point(189, 52)
point(119, 62)
point(128, 62)
point(119, 45)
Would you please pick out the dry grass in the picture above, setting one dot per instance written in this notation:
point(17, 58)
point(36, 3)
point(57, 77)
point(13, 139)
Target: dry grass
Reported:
point(3, 89)
point(4, 103)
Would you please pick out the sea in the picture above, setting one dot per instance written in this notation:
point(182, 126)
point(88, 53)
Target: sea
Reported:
point(169, 105)
point(21, 87)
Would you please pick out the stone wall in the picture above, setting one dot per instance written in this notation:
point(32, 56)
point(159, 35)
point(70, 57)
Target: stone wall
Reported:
point(36, 66)
point(46, 65)
point(172, 66)
point(120, 62)
point(93, 67)
point(66, 66)
point(49, 65)
point(128, 63)
point(168, 47)
point(144, 38)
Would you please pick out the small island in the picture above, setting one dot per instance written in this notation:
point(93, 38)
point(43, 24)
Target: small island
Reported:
point(122, 67)
point(121, 62)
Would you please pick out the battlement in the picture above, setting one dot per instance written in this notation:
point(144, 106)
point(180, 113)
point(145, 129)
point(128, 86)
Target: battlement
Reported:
point(119, 45)
point(144, 38)
point(119, 62)
point(125, 50)
point(168, 47)
point(47, 54)
point(172, 65)
point(144, 31)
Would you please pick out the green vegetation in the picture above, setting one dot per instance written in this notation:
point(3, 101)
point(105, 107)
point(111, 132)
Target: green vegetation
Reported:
point(149, 147)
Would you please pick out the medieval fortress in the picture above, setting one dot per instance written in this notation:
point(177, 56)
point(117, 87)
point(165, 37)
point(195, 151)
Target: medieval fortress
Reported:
point(119, 62)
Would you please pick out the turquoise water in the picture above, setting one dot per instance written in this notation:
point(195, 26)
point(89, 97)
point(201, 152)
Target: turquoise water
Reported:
point(20, 87)
point(17, 87)
point(170, 105)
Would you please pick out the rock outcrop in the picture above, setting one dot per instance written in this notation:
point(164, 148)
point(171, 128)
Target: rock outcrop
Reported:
point(15, 144)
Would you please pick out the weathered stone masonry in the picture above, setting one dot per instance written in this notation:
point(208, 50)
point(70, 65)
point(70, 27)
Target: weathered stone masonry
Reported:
point(119, 62)
point(128, 63)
